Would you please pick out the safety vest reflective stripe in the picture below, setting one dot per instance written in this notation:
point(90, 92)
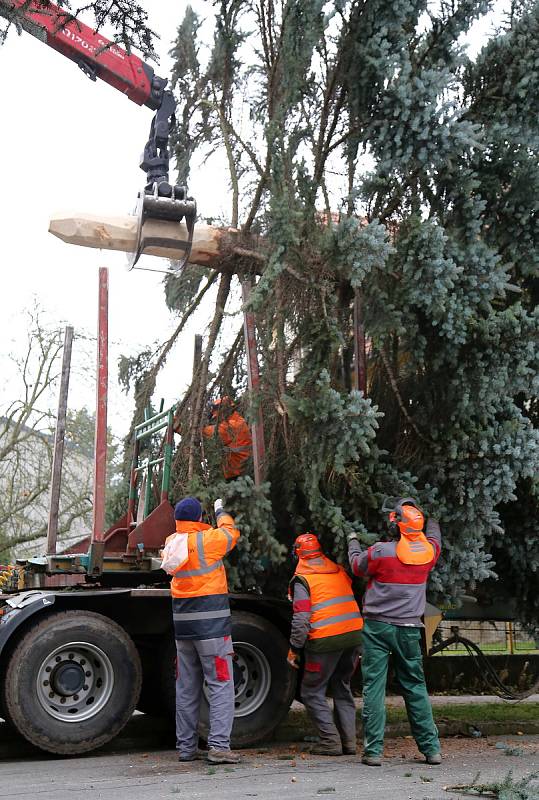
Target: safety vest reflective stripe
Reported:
point(194, 573)
point(334, 608)
point(335, 601)
point(201, 615)
point(332, 620)
point(200, 550)
point(417, 547)
point(204, 617)
point(230, 542)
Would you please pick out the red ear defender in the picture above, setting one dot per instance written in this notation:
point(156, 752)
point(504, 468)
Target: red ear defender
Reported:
point(393, 526)
point(307, 546)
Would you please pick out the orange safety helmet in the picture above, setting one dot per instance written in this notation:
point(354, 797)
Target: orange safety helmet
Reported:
point(307, 546)
point(408, 520)
point(406, 516)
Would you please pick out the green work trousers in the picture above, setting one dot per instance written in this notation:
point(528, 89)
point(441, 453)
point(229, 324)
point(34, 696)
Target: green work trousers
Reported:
point(380, 639)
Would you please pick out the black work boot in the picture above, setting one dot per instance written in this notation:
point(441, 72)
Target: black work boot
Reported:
point(372, 761)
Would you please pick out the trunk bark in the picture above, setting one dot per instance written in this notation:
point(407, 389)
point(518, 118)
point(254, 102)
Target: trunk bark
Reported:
point(120, 233)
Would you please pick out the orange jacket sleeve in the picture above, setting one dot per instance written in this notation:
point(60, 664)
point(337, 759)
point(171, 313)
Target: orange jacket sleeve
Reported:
point(218, 542)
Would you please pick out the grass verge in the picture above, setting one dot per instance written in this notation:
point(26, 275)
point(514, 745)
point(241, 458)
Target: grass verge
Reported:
point(476, 712)
point(297, 724)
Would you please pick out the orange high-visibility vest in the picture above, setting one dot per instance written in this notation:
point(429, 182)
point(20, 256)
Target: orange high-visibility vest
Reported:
point(204, 573)
point(334, 609)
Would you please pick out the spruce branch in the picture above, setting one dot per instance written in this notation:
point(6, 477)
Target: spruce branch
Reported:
point(398, 396)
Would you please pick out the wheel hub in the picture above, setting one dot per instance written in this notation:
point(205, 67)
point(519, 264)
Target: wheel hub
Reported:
point(67, 678)
point(75, 681)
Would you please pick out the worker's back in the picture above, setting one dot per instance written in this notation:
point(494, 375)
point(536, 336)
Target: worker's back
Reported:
point(396, 592)
point(199, 588)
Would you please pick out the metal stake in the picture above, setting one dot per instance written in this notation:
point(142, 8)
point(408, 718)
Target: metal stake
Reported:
point(58, 453)
point(97, 546)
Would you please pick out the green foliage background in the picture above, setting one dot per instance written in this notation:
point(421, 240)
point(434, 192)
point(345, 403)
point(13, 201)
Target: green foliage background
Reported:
point(376, 160)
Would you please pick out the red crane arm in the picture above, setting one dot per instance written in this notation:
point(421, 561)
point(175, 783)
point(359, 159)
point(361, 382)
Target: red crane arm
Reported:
point(92, 52)
point(100, 58)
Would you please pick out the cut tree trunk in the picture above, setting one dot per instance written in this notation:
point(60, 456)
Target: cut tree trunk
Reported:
point(210, 244)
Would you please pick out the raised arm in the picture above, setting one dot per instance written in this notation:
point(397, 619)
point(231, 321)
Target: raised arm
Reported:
point(434, 535)
point(221, 540)
point(358, 558)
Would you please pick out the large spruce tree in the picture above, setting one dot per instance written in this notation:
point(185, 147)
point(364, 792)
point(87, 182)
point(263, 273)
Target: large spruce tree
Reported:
point(371, 160)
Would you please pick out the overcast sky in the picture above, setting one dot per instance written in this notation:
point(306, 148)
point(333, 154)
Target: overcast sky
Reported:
point(68, 143)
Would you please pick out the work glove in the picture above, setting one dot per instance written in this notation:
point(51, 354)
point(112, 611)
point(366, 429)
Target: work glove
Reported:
point(352, 536)
point(293, 658)
point(218, 507)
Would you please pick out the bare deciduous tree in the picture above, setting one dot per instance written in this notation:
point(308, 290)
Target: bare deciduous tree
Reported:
point(26, 428)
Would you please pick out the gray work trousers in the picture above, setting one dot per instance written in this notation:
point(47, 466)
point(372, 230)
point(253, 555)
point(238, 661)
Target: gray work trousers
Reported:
point(334, 670)
point(200, 660)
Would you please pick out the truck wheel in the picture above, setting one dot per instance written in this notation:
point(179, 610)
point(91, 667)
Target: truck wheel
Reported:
point(264, 683)
point(3, 710)
point(72, 682)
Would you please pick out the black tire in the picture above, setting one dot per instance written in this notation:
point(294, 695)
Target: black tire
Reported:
point(3, 710)
point(71, 723)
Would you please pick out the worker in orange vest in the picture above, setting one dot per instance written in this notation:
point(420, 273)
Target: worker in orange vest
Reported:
point(326, 623)
point(203, 629)
point(234, 434)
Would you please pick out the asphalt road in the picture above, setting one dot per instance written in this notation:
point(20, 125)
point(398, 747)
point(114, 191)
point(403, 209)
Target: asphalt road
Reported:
point(274, 772)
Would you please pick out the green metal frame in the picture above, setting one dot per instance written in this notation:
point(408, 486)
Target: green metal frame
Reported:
point(143, 431)
point(82, 563)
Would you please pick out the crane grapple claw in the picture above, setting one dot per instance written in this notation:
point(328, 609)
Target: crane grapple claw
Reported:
point(169, 206)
